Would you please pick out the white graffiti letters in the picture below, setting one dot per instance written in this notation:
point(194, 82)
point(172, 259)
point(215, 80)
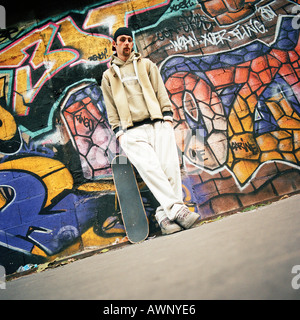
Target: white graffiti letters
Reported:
point(215, 38)
point(183, 42)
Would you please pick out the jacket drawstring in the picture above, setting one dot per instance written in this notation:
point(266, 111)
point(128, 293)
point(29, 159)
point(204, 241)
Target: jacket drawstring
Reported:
point(124, 79)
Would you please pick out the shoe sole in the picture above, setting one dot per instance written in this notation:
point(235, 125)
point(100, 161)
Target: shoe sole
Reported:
point(170, 232)
point(190, 224)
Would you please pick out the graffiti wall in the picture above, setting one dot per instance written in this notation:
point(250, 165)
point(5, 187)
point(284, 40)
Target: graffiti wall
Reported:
point(231, 69)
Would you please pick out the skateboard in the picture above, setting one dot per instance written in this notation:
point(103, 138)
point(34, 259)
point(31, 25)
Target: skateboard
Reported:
point(130, 201)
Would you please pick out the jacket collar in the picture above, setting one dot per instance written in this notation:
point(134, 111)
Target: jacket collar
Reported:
point(116, 63)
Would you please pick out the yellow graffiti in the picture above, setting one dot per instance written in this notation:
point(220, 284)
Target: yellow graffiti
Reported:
point(80, 46)
point(8, 127)
point(283, 113)
point(115, 14)
point(87, 239)
point(85, 43)
point(97, 186)
point(247, 152)
point(16, 55)
point(2, 87)
point(3, 200)
point(77, 47)
point(54, 174)
point(187, 193)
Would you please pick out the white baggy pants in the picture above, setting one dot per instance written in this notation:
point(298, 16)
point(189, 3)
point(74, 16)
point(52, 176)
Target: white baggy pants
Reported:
point(151, 148)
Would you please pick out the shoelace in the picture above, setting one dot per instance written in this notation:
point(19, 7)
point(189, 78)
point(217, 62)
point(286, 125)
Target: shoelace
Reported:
point(182, 213)
point(166, 221)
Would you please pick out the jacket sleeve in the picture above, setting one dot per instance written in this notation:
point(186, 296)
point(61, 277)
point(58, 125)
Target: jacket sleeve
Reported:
point(161, 92)
point(112, 113)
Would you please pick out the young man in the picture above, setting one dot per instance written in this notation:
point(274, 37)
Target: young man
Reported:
point(140, 113)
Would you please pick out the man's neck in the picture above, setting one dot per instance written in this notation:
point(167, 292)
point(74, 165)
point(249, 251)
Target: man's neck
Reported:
point(124, 58)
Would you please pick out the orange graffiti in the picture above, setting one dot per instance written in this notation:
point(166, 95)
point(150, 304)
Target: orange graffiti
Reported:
point(229, 11)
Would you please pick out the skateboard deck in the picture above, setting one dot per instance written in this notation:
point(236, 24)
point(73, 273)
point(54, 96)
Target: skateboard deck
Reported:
point(130, 201)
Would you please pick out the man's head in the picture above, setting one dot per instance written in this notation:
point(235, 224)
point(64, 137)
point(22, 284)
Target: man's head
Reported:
point(123, 43)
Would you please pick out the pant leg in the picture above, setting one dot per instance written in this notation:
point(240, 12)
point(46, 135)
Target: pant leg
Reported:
point(137, 143)
point(166, 150)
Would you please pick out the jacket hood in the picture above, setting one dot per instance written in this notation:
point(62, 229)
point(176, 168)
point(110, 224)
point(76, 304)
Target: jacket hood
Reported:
point(117, 61)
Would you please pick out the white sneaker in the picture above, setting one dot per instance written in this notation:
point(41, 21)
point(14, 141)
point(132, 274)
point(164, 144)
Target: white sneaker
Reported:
point(186, 218)
point(168, 227)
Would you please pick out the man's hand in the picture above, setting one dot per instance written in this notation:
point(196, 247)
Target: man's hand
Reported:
point(171, 123)
point(120, 138)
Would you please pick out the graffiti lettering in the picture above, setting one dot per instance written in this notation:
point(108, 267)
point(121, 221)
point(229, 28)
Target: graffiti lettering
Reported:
point(212, 38)
point(165, 34)
point(187, 23)
point(246, 146)
point(194, 21)
point(240, 32)
point(88, 123)
point(215, 38)
point(28, 55)
point(33, 55)
point(99, 56)
point(182, 5)
point(267, 13)
point(248, 30)
point(183, 42)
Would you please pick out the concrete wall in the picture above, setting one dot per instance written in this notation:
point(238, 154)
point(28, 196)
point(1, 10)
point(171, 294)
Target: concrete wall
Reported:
point(231, 69)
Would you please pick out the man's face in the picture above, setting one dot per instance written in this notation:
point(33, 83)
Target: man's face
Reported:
point(123, 45)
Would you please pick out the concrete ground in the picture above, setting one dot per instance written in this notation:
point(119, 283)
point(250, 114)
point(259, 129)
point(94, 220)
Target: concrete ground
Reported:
point(248, 255)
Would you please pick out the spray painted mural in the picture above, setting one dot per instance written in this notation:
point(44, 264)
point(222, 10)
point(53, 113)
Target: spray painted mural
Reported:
point(232, 72)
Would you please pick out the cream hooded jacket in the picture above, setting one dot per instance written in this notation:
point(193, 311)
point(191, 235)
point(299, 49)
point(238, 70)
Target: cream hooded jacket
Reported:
point(134, 91)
